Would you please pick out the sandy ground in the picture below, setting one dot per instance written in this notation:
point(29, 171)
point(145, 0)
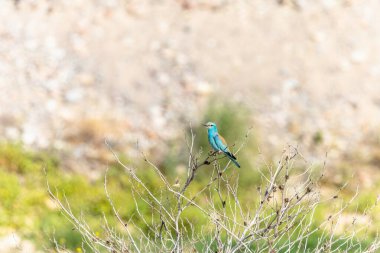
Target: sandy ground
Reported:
point(74, 73)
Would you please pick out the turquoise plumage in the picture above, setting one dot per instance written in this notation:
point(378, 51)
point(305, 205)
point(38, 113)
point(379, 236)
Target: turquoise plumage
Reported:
point(218, 143)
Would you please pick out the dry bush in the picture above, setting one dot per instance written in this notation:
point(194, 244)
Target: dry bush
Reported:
point(282, 221)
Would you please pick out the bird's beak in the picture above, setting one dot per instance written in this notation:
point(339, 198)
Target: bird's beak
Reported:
point(205, 125)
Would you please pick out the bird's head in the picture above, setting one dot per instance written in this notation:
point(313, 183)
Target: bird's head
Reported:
point(210, 125)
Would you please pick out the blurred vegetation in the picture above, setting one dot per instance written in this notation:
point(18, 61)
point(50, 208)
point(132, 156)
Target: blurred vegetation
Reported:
point(27, 209)
point(231, 120)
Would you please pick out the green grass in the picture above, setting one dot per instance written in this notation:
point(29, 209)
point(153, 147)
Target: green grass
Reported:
point(26, 207)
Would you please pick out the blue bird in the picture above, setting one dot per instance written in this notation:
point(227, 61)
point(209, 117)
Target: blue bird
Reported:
point(218, 143)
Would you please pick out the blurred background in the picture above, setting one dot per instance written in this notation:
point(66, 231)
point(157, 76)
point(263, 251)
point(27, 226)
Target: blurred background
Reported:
point(140, 73)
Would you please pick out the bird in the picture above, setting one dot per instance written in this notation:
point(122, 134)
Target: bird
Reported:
point(218, 143)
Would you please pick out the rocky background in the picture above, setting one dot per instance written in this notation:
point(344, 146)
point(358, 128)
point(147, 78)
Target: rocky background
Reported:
point(75, 73)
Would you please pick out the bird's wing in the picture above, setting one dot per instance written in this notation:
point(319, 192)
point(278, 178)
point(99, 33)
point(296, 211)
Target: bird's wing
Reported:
point(221, 143)
point(223, 140)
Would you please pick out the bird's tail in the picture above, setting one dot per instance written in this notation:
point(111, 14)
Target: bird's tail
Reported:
point(232, 158)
